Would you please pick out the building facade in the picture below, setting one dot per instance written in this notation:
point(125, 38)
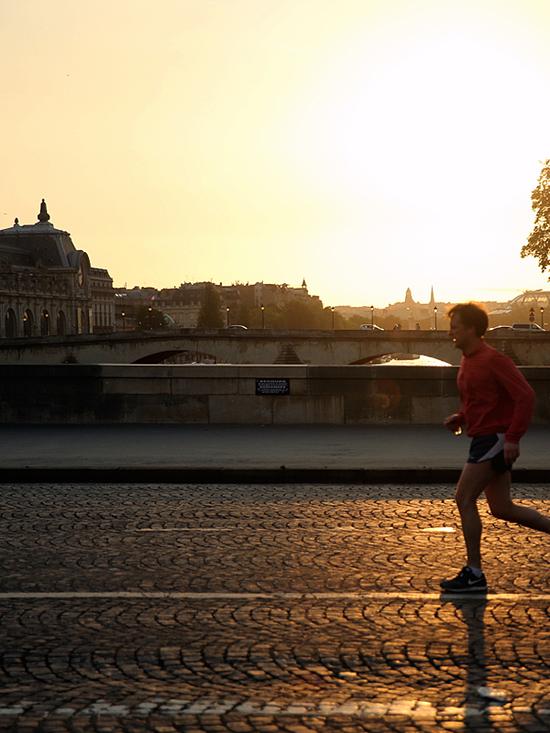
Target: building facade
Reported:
point(47, 286)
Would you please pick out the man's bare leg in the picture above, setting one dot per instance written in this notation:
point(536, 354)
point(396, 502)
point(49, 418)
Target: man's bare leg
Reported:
point(473, 480)
point(502, 506)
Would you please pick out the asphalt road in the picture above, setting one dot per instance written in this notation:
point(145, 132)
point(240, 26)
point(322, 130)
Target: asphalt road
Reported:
point(248, 608)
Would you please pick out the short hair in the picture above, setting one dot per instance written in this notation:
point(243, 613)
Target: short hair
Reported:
point(472, 316)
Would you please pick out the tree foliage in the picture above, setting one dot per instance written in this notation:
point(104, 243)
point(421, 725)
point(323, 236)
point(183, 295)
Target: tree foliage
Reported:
point(149, 318)
point(538, 244)
point(210, 315)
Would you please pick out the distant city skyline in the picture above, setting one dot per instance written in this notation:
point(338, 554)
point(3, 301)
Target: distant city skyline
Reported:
point(506, 295)
point(366, 146)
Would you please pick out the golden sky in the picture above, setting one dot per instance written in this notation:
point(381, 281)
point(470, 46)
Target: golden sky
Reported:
point(365, 145)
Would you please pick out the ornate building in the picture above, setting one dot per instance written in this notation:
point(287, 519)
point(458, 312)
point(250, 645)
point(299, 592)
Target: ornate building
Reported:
point(410, 312)
point(47, 286)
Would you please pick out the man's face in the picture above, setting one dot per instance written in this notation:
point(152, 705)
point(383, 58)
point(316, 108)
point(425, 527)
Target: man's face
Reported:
point(460, 334)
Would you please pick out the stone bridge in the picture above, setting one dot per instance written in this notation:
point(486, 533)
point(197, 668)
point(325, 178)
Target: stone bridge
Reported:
point(258, 347)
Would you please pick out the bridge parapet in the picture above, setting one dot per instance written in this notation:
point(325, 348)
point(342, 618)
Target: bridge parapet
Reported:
point(260, 347)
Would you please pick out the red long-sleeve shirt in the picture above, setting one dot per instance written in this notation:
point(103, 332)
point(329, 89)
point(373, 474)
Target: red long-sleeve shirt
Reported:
point(495, 396)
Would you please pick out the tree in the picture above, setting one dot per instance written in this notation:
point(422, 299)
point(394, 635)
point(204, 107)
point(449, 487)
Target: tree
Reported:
point(538, 244)
point(330, 317)
point(210, 315)
point(149, 319)
point(249, 314)
point(297, 314)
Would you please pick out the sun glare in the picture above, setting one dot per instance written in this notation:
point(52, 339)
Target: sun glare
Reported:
point(417, 124)
point(379, 134)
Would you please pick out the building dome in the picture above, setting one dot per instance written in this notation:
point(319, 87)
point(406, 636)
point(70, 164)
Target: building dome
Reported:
point(36, 245)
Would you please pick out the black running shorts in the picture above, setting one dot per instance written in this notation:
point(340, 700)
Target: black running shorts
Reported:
point(489, 448)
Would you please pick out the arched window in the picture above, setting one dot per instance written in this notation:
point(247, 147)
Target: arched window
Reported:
point(45, 323)
point(61, 324)
point(28, 323)
point(10, 324)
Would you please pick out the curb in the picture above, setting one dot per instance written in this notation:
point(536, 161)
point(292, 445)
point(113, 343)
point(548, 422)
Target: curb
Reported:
point(282, 475)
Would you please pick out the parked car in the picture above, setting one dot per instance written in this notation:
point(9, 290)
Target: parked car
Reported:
point(527, 327)
point(499, 328)
point(237, 327)
point(370, 327)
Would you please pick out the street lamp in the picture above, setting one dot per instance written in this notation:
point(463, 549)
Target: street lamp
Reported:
point(123, 314)
point(227, 317)
point(372, 316)
point(541, 317)
point(435, 318)
point(332, 313)
point(262, 308)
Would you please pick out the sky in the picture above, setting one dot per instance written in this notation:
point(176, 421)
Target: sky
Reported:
point(366, 145)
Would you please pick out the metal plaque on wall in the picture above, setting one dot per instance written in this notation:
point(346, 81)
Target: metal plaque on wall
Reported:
point(272, 386)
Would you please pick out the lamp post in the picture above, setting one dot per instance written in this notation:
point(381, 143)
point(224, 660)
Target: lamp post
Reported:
point(435, 318)
point(123, 314)
point(541, 317)
point(227, 317)
point(262, 308)
point(372, 316)
point(332, 314)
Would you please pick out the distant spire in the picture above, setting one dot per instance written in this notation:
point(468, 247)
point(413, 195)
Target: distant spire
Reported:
point(16, 222)
point(43, 216)
point(408, 296)
point(304, 284)
point(432, 298)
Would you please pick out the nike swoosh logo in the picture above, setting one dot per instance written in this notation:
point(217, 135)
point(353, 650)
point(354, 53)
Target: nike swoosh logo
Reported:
point(473, 582)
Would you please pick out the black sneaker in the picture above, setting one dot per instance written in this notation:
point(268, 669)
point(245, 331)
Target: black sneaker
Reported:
point(465, 582)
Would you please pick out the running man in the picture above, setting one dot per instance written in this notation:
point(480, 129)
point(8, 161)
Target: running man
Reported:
point(496, 408)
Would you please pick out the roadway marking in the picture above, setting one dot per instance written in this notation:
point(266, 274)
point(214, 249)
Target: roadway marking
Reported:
point(187, 529)
point(272, 530)
point(303, 708)
point(274, 596)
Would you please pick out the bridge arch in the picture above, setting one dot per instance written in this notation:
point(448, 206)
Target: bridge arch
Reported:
point(170, 356)
point(397, 358)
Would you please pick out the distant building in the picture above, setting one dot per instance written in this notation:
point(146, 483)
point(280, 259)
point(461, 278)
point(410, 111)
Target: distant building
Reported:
point(103, 301)
point(47, 286)
point(127, 303)
point(183, 304)
point(272, 294)
point(532, 299)
point(410, 312)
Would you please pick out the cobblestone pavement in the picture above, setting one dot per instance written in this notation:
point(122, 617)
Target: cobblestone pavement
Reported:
point(248, 608)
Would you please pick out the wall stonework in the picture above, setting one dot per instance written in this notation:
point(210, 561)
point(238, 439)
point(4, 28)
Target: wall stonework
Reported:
point(352, 395)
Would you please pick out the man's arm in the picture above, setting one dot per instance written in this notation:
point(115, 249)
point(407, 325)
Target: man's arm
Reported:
point(454, 421)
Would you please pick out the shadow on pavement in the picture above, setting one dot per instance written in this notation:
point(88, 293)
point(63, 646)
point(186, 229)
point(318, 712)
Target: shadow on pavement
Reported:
point(479, 697)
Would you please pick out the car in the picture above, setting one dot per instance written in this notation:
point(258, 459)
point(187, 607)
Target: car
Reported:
point(237, 327)
point(527, 327)
point(370, 327)
point(499, 328)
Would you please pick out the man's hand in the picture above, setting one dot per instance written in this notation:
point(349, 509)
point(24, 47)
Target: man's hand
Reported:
point(511, 453)
point(453, 422)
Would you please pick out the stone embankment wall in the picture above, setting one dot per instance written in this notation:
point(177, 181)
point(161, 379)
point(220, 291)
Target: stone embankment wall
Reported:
point(350, 395)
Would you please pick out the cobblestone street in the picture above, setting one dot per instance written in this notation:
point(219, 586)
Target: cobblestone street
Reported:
point(252, 608)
